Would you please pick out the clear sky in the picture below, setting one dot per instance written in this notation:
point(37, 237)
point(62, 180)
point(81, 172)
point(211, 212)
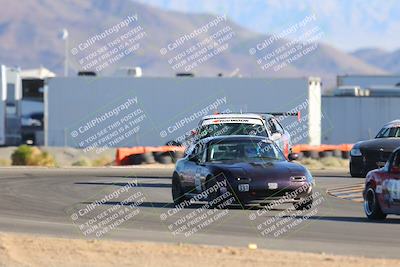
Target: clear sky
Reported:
point(347, 24)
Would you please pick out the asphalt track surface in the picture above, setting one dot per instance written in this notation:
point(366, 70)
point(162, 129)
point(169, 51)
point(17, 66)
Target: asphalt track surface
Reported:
point(43, 201)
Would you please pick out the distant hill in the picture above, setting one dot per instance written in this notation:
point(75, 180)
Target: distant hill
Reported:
point(388, 61)
point(29, 29)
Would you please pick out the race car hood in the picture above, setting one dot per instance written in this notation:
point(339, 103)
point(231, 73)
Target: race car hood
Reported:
point(276, 169)
point(386, 144)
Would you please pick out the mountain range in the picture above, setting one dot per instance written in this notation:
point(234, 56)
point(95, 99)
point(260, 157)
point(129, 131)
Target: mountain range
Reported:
point(29, 37)
point(386, 60)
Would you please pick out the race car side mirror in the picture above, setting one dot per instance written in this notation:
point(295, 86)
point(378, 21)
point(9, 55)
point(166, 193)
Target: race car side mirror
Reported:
point(276, 136)
point(293, 156)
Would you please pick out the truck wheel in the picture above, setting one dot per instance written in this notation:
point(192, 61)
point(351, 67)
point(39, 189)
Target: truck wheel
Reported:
point(371, 205)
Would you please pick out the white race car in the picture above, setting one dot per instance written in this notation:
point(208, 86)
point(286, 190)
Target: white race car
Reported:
point(245, 124)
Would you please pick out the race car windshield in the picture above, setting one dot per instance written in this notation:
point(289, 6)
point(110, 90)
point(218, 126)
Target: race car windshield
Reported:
point(244, 151)
point(389, 132)
point(212, 130)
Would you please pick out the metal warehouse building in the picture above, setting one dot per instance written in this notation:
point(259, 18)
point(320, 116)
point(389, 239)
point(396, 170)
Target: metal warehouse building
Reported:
point(349, 119)
point(80, 110)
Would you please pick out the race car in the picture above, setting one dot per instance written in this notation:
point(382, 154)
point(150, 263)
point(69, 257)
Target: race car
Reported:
point(382, 189)
point(256, 124)
point(372, 154)
point(251, 168)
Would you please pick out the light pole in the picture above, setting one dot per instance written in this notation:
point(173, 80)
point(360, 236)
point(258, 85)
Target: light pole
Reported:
point(64, 36)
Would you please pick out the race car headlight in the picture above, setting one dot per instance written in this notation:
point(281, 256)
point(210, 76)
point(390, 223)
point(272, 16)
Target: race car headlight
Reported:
point(356, 152)
point(298, 178)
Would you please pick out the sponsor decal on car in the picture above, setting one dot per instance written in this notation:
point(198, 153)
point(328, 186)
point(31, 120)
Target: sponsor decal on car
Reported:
point(272, 186)
point(243, 187)
point(222, 121)
point(393, 188)
point(379, 189)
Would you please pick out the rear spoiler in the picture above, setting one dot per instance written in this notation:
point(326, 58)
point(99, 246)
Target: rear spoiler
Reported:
point(285, 114)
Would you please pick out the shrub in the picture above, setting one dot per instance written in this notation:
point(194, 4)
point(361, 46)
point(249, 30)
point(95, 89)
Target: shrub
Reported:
point(21, 155)
point(32, 156)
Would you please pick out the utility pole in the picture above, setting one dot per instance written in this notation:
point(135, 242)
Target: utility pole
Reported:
point(66, 55)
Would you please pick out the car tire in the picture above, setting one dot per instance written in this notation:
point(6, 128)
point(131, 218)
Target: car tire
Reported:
point(325, 154)
point(163, 157)
point(345, 154)
point(311, 154)
point(133, 160)
point(371, 205)
point(178, 195)
point(176, 155)
point(148, 158)
point(304, 205)
point(337, 153)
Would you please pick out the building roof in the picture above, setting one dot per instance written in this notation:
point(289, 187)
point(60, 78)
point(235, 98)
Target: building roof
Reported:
point(40, 73)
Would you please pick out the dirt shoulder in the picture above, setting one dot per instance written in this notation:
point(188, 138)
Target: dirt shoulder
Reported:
point(28, 250)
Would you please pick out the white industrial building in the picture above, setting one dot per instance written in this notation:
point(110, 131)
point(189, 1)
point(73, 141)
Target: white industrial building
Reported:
point(172, 106)
point(21, 105)
point(351, 117)
point(76, 108)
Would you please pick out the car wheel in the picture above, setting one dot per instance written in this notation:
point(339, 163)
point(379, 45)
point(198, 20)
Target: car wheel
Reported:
point(178, 195)
point(304, 204)
point(371, 205)
point(163, 157)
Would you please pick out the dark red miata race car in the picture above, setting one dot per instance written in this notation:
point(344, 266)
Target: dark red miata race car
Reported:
point(253, 169)
point(382, 189)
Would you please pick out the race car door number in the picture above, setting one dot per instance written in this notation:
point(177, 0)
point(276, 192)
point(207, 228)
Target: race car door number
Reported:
point(272, 185)
point(243, 187)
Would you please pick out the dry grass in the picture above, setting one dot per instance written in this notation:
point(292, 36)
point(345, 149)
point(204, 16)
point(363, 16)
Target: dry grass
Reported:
point(99, 162)
point(102, 161)
point(5, 162)
point(325, 163)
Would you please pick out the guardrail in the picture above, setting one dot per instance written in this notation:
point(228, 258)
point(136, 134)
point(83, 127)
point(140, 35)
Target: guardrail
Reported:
point(169, 154)
point(322, 151)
